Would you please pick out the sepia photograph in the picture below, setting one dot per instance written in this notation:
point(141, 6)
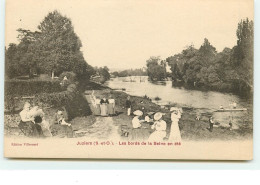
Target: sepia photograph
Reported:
point(111, 79)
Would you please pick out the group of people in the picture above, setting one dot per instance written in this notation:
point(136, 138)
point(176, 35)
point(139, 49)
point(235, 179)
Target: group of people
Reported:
point(34, 124)
point(104, 106)
point(158, 125)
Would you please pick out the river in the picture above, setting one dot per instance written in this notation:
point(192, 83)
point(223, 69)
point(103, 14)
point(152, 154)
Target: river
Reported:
point(209, 101)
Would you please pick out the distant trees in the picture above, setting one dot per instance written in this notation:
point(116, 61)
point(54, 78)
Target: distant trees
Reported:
point(53, 49)
point(103, 72)
point(130, 72)
point(229, 70)
point(156, 68)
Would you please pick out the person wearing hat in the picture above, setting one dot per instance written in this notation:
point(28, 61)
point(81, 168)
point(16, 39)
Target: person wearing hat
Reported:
point(136, 122)
point(175, 135)
point(160, 128)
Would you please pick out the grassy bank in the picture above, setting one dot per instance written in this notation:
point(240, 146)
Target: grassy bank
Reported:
point(191, 129)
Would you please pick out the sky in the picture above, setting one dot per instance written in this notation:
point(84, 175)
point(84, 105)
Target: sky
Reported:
point(123, 34)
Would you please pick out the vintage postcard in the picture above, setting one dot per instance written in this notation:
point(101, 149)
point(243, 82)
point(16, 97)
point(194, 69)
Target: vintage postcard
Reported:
point(134, 79)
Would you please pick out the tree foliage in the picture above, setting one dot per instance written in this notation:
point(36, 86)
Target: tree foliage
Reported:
point(229, 70)
point(54, 48)
point(130, 72)
point(156, 68)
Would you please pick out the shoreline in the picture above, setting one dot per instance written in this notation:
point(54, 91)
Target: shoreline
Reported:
point(191, 129)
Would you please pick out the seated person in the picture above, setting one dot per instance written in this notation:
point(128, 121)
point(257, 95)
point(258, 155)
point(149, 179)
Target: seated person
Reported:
point(149, 117)
point(27, 124)
point(160, 128)
point(136, 122)
point(60, 118)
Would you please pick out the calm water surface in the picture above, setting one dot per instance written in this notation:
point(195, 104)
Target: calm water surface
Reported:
point(208, 100)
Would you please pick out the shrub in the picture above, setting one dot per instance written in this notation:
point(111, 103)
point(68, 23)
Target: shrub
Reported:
point(157, 98)
point(31, 87)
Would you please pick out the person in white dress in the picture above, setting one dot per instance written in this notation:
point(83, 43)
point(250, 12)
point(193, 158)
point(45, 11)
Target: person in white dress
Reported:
point(111, 106)
point(136, 122)
point(175, 135)
point(160, 128)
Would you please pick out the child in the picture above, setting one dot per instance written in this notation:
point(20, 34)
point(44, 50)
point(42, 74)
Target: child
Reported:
point(61, 119)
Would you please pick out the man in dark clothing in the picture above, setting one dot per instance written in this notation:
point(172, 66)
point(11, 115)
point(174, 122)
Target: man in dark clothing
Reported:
point(211, 123)
point(128, 105)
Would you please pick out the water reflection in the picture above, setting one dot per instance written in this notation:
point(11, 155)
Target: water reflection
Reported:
point(204, 101)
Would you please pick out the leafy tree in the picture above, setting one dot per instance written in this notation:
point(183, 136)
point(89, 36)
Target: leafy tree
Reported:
point(156, 68)
point(58, 46)
point(243, 53)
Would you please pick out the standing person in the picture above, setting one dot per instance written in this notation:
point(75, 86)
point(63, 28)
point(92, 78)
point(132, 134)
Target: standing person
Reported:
point(160, 128)
point(97, 106)
point(211, 123)
point(128, 105)
point(96, 103)
point(231, 122)
point(111, 106)
point(175, 135)
point(103, 106)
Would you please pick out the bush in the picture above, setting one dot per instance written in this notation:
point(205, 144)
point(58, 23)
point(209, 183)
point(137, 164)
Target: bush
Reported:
point(31, 87)
point(54, 99)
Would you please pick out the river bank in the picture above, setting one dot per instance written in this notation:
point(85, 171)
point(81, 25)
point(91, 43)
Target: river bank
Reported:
point(191, 129)
point(111, 127)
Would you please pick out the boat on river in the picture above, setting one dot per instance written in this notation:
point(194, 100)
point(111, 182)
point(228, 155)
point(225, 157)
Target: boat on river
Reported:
point(231, 110)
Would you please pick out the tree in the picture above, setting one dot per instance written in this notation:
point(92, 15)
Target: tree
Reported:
point(156, 68)
point(181, 62)
point(242, 58)
point(58, 46)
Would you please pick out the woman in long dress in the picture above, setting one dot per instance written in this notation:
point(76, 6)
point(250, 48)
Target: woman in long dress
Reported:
point(175, 135)
point(97, 107)
point(103, 106)
point(111, 107)
point(160, 128)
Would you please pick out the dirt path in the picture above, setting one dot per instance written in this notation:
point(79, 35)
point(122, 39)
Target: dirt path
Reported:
point(103, 128)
